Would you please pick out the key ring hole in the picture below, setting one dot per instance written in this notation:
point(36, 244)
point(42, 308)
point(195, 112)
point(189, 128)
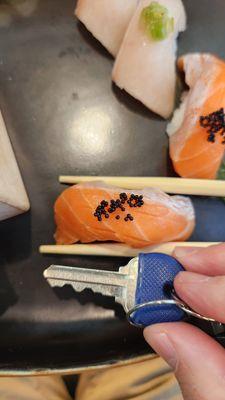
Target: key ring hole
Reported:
point(168, 289)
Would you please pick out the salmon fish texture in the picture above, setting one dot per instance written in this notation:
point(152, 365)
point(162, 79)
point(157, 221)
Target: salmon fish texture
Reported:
point(161, 218)
point(193, 155)
point(106, 20)
point(146, 68)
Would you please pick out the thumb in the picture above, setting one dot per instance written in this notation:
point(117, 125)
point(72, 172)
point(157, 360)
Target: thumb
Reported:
point(198, 361)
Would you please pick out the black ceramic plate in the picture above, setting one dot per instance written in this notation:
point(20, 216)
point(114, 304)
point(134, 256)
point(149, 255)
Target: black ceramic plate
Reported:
point(65, 117)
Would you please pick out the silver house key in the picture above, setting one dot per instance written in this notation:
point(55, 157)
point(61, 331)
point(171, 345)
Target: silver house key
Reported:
point(144, 287)
point(121, 285)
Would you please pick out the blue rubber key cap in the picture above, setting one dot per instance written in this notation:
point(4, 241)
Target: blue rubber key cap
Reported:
point(156, 273)
point(143, 287)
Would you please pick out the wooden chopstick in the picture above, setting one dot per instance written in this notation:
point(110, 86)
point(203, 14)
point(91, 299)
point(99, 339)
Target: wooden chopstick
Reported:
point(115, 249)
point(200, 187)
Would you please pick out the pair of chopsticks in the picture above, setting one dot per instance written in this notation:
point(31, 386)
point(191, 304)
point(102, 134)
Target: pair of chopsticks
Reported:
point(198, 187)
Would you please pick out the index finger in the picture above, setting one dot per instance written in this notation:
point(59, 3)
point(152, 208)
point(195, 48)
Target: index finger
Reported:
point(209, 261)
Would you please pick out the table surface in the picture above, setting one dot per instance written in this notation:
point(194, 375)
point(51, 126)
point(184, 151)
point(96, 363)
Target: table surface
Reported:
point(64, 116)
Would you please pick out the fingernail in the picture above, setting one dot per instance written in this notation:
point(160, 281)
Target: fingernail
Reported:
point(162, 345)
point(190, 278)
point(181, 252)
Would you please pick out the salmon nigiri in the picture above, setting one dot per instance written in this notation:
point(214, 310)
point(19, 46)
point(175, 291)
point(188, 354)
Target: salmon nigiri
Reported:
point(196, 150)
point(106, 20)
point(146, 63)
point(92, 212)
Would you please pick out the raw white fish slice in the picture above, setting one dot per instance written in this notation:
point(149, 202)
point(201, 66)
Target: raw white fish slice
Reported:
point(145, 68)
point(13, 197)
point(106, 20)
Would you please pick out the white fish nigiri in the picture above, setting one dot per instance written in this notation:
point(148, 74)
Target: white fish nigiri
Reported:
point(145, 67)
point(106, 20)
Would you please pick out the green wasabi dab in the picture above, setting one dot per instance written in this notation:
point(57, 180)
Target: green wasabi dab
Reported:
point(157, 22)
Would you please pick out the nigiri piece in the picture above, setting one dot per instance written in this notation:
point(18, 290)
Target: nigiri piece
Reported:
point(194, 151)
point(106, 20)
point(96, 211)
point(146, 65)
point(13, 196)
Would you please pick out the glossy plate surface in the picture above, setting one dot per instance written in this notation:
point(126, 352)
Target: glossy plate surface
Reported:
point(64, 116)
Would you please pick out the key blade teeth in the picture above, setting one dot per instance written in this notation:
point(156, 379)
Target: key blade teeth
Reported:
point(56, 283)
point(77, 287)
point(80, 287)
point(97, 288)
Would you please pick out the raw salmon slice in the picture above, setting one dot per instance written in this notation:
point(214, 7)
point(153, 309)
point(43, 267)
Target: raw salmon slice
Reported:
point(192, 154)
point(161, 218)
point(106, 20)
point(146, 68)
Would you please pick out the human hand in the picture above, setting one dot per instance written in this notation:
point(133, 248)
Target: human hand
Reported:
point(197, 359)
